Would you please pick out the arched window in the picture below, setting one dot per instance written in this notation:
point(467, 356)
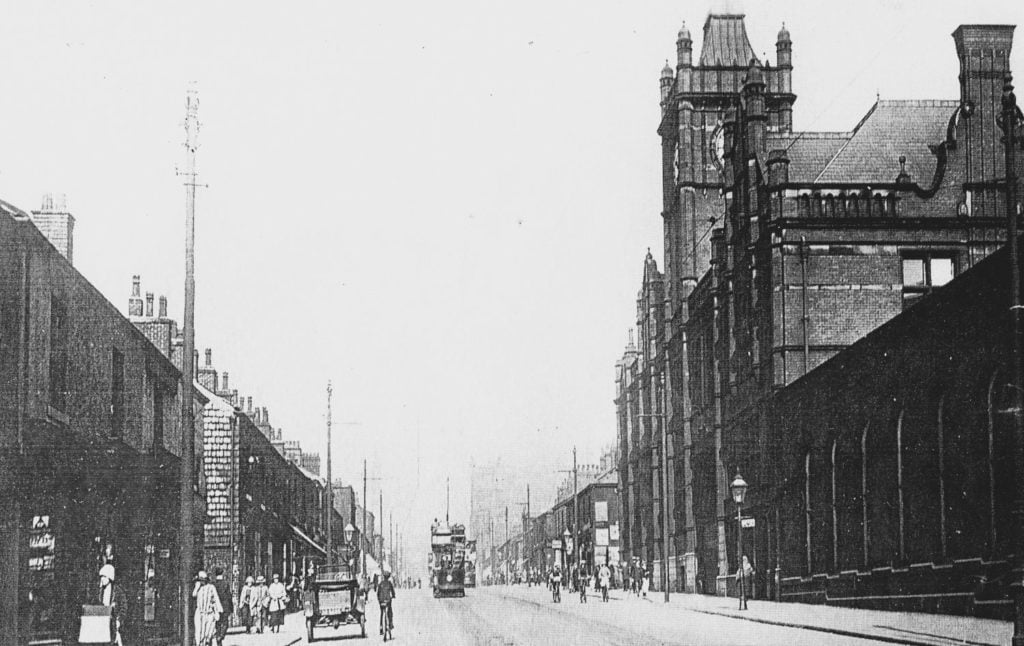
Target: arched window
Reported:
point(864, 491)
point(808, 565)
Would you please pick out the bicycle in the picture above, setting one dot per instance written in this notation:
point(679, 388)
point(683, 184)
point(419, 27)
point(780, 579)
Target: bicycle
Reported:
point(387, 620)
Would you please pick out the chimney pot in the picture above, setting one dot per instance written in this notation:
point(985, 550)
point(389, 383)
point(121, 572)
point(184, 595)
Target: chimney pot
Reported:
point(266, 416)
point(248, 404)
point(209, 357)
point(163, 307)
point(136, 285)
point(224, 382)
point(149, 304)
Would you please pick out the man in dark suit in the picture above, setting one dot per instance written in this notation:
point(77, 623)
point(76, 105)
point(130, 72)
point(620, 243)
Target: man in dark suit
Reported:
point(224, 594)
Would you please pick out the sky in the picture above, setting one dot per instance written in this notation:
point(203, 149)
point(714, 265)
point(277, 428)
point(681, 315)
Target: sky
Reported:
point(443, 208)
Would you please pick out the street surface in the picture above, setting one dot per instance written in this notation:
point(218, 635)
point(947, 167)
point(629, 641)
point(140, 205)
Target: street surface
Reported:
point(493, 617)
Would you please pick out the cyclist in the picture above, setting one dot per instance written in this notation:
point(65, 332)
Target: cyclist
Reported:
point(385, 595)
point(555, 581)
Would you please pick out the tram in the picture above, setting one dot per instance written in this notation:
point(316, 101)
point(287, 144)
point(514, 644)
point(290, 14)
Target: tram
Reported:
point(448, 547)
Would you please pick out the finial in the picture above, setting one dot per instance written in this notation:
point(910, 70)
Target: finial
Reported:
point(903, 177)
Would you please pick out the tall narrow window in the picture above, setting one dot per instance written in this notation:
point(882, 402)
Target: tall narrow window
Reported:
point(58, 354)
point(158, 416)
point(807, 509)
point(117, 393)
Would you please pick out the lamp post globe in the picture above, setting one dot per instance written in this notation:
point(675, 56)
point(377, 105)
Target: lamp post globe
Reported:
point(739, 489)
point(349, 531)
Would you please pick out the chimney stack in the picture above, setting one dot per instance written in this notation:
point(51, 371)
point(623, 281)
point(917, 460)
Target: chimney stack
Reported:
point(149, 305)
point(984, 53)
point(54, 222)
point(209, 357)
point(163, 307)
point(135, 300)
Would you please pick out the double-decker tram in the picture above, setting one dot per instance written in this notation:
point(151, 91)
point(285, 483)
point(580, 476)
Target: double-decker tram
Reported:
point(448, 548)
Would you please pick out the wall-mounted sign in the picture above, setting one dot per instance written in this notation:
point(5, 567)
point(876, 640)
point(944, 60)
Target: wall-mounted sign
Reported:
point(747, 522)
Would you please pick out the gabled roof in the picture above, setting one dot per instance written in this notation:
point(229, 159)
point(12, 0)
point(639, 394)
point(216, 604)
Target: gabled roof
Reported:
point(889, 130)
point(725, 42)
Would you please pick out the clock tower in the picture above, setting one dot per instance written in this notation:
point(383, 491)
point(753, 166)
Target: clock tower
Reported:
point(695, 98)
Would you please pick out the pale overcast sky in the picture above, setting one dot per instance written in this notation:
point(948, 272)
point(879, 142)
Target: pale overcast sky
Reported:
point(442, 206)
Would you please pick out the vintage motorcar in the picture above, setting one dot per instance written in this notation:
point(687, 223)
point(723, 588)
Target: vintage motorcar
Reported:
point(334, 599)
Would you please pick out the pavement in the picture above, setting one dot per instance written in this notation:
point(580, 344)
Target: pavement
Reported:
point(916, 629)
point(292, 632)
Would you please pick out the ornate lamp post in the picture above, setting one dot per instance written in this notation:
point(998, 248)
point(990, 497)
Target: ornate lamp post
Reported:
point(349, 531)
point(566, 535)
point(739, 491)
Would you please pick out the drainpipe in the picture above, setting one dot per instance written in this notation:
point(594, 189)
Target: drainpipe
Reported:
point(804, 318)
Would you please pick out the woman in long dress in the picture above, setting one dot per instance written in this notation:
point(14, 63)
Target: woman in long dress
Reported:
point(278, 603)
point(208, 610)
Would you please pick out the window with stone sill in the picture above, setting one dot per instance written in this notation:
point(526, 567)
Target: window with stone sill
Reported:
point(923, 273)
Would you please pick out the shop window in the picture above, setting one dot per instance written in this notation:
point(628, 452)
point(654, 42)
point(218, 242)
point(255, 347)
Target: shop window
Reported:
point(922, 274)
point(58, 354)
point(43, 593)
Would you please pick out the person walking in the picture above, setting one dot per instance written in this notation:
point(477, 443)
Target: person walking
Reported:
point(208, 610)
point(745, 581)
point(604, 576)
point(258, 603)
point(245, 604)
point(226, 602)
point(276, 604)
point(111, 594)
point(582, 582)
point(645, 578)
point(555, 581)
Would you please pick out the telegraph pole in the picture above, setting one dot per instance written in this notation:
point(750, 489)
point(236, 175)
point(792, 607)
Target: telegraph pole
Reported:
point(1010, 124)
point(188, 432)
point(447, 497)
point(380, 520)
point(363, 530)
point(330, 484)
point(575, 508)
point(506, 546)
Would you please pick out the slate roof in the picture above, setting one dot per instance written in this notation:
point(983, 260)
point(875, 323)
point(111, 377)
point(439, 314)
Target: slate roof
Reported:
point(808, 152)
point(725, 42)
point(890, 129)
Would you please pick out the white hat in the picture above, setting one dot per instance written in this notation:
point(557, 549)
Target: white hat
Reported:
point(107, 571)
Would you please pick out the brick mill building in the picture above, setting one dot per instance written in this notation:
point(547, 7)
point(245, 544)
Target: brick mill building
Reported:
point(782, 249)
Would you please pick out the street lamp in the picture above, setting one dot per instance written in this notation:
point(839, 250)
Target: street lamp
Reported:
point(566, 535)
point(349, 531)
point(739, 491)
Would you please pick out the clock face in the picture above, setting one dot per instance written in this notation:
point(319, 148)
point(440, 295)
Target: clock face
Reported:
point(717, 147)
